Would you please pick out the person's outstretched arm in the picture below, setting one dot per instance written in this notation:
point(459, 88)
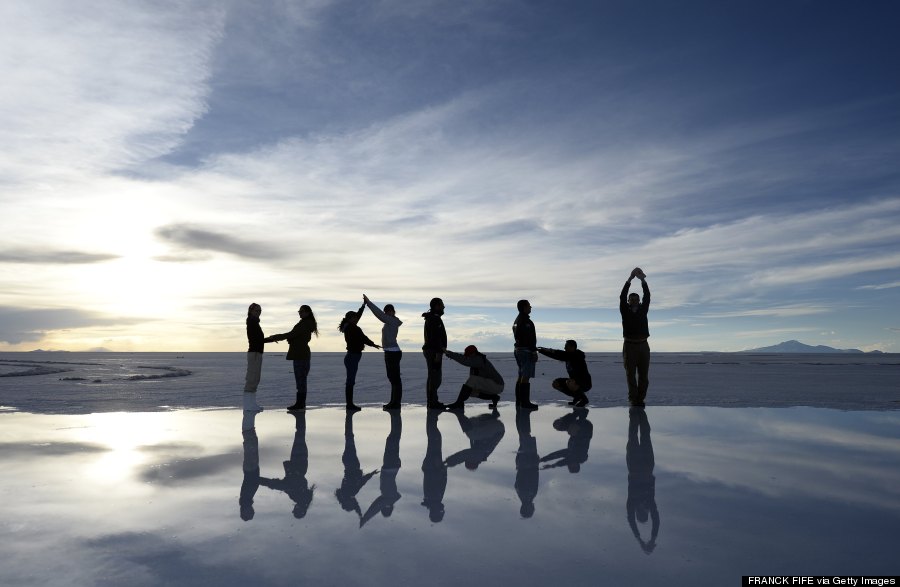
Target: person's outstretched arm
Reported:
point(374, 309)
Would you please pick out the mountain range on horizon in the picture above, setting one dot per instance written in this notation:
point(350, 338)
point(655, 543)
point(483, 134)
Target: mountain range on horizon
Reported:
point(795, 346)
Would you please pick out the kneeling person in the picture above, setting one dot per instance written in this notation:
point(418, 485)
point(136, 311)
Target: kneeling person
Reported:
point(579, 380)
point(484, 381)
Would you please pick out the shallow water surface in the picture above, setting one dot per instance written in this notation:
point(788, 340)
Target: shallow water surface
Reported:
point(580, 497)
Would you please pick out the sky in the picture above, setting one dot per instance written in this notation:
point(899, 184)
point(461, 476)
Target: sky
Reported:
point(165, 164)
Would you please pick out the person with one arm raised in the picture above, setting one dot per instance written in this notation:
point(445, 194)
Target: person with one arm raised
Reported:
point(392, 352)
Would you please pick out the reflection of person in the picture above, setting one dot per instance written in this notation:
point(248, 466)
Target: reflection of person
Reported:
point(250, 484)
point(433, 349)
point(356, 341)
point(434, 469)
point(484, 432)
point(298, 351)
point(579, 380)
point(641, 504)
point(255, 346)
point(294, 483)
point(580, 432)
point(527, 464)
point(353, 480)
point(525, 352)
point(392, 352)
point(484, 381)
point(387, 478)
point(636, 349)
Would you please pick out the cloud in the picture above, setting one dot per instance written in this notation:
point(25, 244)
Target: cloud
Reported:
point(891, 285)
point(194, 238)
point(18, 325)
point(37, 256)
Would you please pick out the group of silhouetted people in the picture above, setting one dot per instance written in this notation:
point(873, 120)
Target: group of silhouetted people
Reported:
point(484, 381)
point(484, 433)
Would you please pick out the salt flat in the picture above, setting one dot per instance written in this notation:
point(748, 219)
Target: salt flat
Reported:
point(696, 495)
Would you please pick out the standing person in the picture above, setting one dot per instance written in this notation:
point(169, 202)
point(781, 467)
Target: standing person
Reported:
point(484, 381)
point(525, 351)
point(636, 349)
point(433, 349)
point(255, 342)
point(356, 341)
point(392, 352)
point(298, 351)
point(579, 380)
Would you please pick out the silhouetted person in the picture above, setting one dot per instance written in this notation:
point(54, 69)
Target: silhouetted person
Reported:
point(484, 381)
point(525, 352)
point(387, 478)
point(298, 351)
point(433, 349)
point(580, 431)
point(255, 344)
point(354, 479)
point(434, 469)
point(641, 504)
point(579, 381)
point(635, 330)
point(392, 352)
point(356, 341)
point(294, 483)
point(527, 464)
point(485, 432)
point(250, 483)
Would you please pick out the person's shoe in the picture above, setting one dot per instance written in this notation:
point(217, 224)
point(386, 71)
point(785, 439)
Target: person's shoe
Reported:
point(391, 406)
point(436, 406)
point(581, 403)
point(494, 400)
point(353, 408)
point(456, 406)
point(296, 407)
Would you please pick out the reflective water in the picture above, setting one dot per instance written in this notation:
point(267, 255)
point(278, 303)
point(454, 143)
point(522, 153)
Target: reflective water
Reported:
point(684, 495)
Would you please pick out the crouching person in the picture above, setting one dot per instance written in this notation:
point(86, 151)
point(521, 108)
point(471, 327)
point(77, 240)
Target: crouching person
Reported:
point(579, 380)
point(484, 381)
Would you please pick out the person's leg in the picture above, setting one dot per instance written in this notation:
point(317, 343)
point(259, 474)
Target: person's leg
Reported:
point(643, 371)
point(251, 382)
point(629, 359)
point(525, 361)
point(392, 367)
point(433, 382)
point(351, 363)
point(464, 393)
point(301, 371)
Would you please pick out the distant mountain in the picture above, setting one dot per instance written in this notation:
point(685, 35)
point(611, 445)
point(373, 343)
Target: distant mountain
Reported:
point(795, 346)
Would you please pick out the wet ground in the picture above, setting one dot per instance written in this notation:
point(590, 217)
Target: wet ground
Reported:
point(662, 496)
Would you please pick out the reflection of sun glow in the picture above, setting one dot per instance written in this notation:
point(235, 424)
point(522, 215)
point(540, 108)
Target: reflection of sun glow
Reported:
point(124, 434)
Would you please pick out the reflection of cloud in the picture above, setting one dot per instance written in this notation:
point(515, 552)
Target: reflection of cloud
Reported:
point(53, 257)
point(28, 325)
point(179, 472)
point(192, 237)
point(14, 450)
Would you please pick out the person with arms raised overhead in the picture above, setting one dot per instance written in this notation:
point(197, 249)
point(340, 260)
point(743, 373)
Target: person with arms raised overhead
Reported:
point(635, 330)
